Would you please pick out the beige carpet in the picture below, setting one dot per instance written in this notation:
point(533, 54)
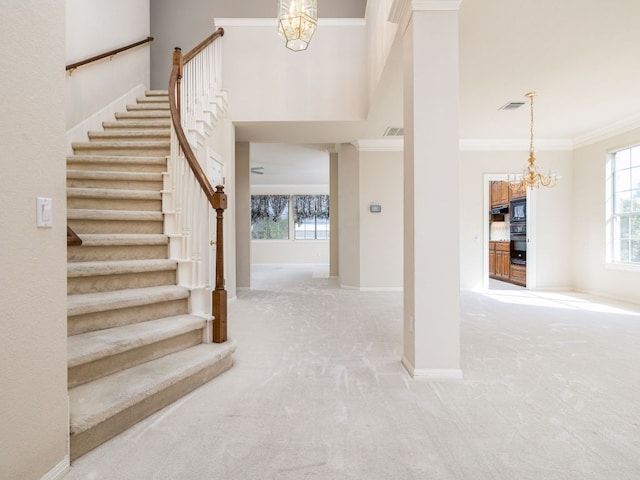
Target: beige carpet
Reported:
point(551, 390)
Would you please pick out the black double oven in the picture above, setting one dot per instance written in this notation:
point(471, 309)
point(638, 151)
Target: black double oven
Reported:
point(518, 231)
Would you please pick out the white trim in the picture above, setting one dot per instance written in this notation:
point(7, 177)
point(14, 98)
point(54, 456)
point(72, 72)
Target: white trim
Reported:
point(59, 471)
point(622, 267)
point(432, 373)
point(273, 22)
point(469, 145)
point(486, 145)
point(607, 296)
point(616, 128)
point(423, 5)
point(78, 133)
point(380, 145)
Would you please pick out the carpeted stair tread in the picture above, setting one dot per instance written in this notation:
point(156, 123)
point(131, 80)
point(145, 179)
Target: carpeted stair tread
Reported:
point(151, 93)
point(154, 99)
point(143, 114)
point(112, 193)
point(123, 239)
point(103, 301)
point(116, 159)
point(118, 215)
point(92, 346)
point(106, 145)
point(94, 402)
point(119, 267)
point(110, 175)
point(117, 135)
point(148, 106)
point(150, 123)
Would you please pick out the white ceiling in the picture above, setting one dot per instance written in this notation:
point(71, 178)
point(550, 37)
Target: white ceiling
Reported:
point(581, 56)
point(288, 164)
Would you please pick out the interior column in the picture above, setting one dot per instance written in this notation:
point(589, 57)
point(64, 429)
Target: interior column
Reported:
point(431, 189)
point(334, 232)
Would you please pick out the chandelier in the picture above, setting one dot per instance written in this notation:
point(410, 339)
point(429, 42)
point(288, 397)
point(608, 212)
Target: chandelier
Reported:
point(297, 22)
point(531, 177)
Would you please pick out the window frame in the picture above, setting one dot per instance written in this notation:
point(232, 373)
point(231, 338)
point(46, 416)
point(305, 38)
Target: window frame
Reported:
point(616, 216)
point(291, 220)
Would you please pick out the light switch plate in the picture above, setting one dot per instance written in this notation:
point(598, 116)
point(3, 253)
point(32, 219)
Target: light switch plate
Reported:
point(44, 212)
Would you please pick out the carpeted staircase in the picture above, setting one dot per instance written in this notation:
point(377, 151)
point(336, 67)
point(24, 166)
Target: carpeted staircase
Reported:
point(133, 346)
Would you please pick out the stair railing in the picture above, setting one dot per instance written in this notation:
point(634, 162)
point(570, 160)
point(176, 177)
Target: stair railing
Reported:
point(193, 86)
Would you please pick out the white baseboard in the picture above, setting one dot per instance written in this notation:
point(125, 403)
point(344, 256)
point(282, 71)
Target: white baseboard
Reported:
point(432, 373)
point(59, 471)
point(78, 133)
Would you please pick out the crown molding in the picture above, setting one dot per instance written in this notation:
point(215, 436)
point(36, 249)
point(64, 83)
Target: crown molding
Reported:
point(468, 145)
point(612, 130)
point(273, 22)
point(380, 145)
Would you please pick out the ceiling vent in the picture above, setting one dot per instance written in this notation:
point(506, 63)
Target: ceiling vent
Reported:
point(394, 132)
point(511, 106)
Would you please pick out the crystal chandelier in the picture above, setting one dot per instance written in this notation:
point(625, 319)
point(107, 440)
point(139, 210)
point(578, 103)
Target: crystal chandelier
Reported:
point(531, 177)
point(297, 22)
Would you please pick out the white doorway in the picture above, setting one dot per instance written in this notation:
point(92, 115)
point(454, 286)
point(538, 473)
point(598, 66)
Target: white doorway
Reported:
point(497, 242)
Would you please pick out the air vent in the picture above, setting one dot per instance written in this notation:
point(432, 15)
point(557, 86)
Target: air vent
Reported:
point(394, 132)
point(511, 106)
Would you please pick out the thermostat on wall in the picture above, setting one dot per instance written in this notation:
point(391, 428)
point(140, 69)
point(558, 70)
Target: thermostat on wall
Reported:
point(373, 208)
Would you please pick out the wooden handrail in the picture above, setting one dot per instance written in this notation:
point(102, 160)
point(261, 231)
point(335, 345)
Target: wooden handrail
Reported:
point(202, 45)
point(217, 199)
point(72, 238)
point(110, 53)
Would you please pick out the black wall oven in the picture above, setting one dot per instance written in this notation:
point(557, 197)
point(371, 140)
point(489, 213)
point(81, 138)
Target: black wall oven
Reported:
point(518, 210)
point(518, 244)
point(518, 231)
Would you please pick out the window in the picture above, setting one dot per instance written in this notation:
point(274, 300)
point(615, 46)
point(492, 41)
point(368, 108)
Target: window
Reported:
point(311, 216)
point(623, 179)
point(270, 217)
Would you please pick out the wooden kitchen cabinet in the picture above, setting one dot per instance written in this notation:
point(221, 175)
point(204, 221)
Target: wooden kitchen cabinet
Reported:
point(499, 194)
point(499, 260)
point(519, 275)
point(517, 191)
point(492, 260)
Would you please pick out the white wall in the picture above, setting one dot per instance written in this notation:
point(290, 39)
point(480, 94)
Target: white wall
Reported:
point(33, 351)
point(349, 216)
point(243, 215)
point(381, 234)
point(380, 36)
point(554, 210)
point(181, 24)
point(260, 72)
point(592, 274)
point(94, 27)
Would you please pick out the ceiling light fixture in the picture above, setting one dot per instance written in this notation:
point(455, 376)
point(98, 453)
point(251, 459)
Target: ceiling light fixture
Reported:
point(531, 177)
point(297, 22)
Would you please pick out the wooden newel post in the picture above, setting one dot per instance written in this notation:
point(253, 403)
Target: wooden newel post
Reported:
point(219, 295)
